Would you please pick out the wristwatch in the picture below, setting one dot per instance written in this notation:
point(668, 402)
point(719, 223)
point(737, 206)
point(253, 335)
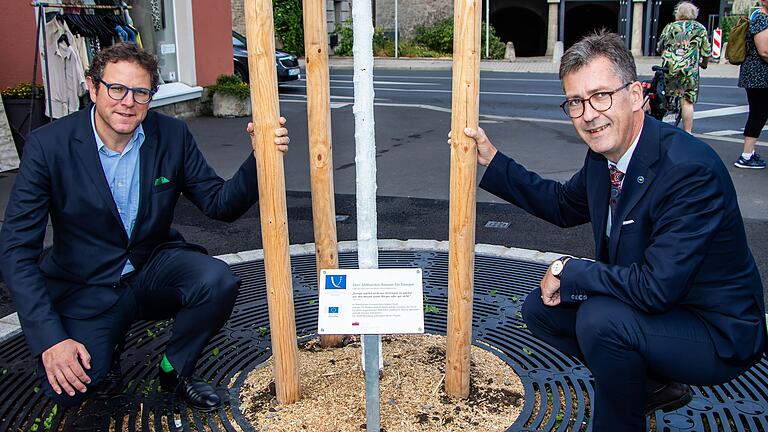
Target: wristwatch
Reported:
point(558, 266)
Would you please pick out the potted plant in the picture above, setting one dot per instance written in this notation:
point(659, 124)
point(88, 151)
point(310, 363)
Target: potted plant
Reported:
point(231, 97)
point(25, 110)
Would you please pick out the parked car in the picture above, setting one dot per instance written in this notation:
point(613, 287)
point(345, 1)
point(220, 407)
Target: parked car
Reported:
point(287, 64)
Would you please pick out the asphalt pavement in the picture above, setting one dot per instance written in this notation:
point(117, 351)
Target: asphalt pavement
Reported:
point(413, 177)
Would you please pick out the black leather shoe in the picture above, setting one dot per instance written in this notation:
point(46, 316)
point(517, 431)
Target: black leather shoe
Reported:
point(112, 383)
point(668, 397)
point(195, 392)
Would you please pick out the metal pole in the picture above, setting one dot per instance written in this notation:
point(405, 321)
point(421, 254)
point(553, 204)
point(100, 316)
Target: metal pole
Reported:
point(372, 405)
point(628, 24)
point(40, 23)
point(648, 49)
point(45, 57)
point(561, 23)
point(365, 171)
point(397, 31)
point(487, 28)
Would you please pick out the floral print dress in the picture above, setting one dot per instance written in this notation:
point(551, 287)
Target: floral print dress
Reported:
point(682, 44)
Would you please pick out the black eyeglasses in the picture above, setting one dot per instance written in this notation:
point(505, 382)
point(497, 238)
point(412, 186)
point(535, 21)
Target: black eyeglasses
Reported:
point(119, 91)
point(600, 101)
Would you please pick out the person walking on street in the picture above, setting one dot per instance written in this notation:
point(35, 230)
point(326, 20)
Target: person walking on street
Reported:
point(684, 46)
point(660, 309)
point(109, 178)
point(753, 76)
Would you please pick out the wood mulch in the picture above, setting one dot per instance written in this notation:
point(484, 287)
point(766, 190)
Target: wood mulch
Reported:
point(411, 386)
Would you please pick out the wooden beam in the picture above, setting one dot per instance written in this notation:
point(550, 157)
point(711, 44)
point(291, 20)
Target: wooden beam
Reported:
point(461, 236)
point(272, 205)
point(320, 148)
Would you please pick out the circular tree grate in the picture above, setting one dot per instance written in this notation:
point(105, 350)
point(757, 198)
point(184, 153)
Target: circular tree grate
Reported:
point(558, 388)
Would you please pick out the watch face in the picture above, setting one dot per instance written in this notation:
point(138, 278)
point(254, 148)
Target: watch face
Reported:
point(556, 268)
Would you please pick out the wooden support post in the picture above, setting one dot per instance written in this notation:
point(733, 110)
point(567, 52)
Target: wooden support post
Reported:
point(272, 205)
point(320, 154)
point(461, 253)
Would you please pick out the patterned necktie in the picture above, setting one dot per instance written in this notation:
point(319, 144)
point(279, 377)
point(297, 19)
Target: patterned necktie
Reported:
point(616, 178)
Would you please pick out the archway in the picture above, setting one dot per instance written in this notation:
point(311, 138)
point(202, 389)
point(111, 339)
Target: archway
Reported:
point(526, 29)
point(582, 18)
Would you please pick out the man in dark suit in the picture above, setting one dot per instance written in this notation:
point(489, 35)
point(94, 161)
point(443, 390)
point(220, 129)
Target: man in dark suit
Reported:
point(109, 178)
point(674, 295)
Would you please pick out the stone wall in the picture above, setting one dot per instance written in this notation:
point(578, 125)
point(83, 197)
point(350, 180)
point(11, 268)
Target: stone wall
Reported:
point(411, 13)
point(238, 16)
point(741, 7)
point(9, 158)
point(190, 108)
point(335, 11)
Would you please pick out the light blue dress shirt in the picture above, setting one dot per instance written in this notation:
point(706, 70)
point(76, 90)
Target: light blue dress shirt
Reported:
point(122, 173)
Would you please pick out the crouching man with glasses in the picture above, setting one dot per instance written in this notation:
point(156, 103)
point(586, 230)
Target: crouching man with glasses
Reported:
point(674, 297)
point(109, 178)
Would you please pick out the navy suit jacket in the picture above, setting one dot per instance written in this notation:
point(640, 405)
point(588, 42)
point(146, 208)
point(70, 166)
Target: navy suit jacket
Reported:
point(61, 176)
point(677, 239)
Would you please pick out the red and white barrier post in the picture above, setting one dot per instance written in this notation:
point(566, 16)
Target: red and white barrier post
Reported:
point(717, 43)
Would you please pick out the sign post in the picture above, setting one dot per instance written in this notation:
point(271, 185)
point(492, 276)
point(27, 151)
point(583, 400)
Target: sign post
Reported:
point(371, 302)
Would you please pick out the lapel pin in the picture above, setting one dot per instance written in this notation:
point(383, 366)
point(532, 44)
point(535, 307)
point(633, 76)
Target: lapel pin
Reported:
point(640, 179)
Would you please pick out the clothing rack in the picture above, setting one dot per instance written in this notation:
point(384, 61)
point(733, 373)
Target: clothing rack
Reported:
point(41, 30)
point(79, 5)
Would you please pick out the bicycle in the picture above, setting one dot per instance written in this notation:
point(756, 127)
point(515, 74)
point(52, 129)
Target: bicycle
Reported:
point(660, 103)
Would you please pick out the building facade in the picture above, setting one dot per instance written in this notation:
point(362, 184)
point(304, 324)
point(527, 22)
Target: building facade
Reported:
point(191, 39)
point(535, 25)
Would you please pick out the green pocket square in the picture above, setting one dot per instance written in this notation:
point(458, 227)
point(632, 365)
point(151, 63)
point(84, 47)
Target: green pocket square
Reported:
point(161, 181)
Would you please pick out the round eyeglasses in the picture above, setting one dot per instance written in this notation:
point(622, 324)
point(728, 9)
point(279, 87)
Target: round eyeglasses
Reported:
point(119, 92)
point(600, 101)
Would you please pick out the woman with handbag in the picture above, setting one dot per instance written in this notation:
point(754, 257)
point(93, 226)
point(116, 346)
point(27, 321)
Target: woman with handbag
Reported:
point(684, 46)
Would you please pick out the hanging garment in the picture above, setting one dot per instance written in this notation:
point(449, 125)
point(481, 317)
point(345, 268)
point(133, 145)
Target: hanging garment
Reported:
point(82, 49)
point(66, 78)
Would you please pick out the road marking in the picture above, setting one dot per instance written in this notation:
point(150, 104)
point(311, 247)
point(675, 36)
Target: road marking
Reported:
point(727, 139)
point(388, 82)
point(485, 117)
point(716, 104)
point(724, 132)
point(720, 112)
point(449, 78)
point(549, 95)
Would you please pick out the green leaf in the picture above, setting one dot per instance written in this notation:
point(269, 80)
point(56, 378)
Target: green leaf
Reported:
point(492, 292)
point(216, 351)
point(313, 301)
point(527, 351)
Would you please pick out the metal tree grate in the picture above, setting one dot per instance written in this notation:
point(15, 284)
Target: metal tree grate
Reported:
point(558, 388)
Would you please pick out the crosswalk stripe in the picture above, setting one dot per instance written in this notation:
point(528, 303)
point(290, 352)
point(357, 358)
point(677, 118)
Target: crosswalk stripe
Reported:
point(724, 132)
point(719, 112)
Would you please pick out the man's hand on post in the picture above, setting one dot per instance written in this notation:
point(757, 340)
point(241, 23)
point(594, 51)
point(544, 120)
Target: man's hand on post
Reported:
point(64, 364)
point(550, 289)
point(485, 149)
point(281, 135)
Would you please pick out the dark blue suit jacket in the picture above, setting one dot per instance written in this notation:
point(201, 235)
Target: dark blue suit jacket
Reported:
point(61, 176)
point(677, 240)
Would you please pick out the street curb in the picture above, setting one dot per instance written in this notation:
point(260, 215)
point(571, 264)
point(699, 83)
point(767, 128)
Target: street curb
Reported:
point(10, 326)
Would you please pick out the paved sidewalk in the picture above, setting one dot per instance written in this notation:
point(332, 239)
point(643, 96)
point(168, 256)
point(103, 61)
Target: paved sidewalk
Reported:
point(523, 64)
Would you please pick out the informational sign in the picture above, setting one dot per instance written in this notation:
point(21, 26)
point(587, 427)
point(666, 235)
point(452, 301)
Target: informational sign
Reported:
point(167, 48)
point(371, 301)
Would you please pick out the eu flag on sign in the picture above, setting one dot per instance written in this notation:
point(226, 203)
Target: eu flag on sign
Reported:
point(335, 281)
point(333, 309)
